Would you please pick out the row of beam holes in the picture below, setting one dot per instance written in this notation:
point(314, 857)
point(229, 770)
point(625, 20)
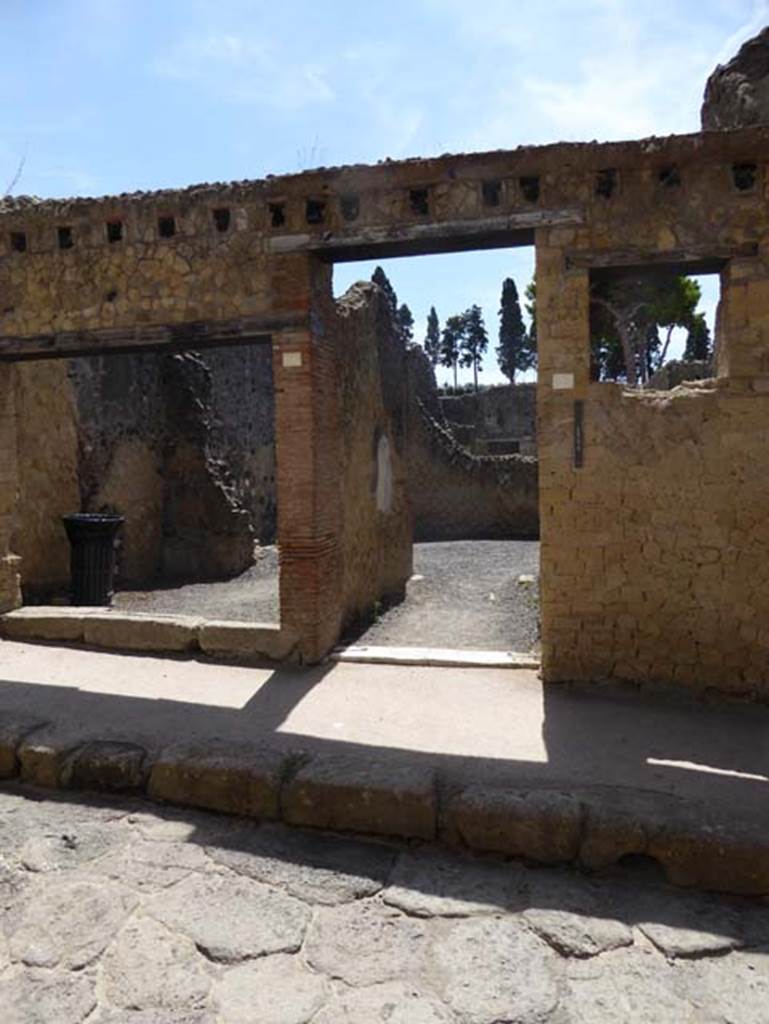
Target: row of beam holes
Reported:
point(744, 176)
point(114, 231)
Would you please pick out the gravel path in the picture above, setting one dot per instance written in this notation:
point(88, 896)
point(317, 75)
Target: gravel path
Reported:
point(466, 594)
point(250, 597)
point(122, 912)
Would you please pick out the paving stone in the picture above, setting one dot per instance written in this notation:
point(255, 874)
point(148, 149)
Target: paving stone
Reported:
point(356, 795)
point(154, 1017)
point(633, 985)
point(12, 885)
point(392, 1002)
point(365, 943)
point(431, 883)
point(578, 935)
point(46, 997)
point(61, 850)
point(490, 970)
point(66, 922)
point(274, 990)
point(151, 866)
point(231, 918)
point(682, 927)
point(243, 781)
point(315, 868)
point(149, 967)
point(542, 825)
point(730, 989)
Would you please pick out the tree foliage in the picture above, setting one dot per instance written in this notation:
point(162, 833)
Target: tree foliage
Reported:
point(698, 344)
point(474, 341)
point(405, 322)
point(383, 281)
point(516, 351)
point(627, 314)
point(451, 343)
point(433, 337)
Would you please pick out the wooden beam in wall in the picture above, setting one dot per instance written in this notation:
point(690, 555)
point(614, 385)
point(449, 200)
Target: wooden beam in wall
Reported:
point(147, 337)
point(705, 259)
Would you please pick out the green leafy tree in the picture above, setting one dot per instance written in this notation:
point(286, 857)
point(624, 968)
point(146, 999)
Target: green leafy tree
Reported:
point(433, 337)
point(698, 344)
point(451, 343)
point(627, 313)
point(474, 341)
point(514, 352)
point(531, 309)
point(405, 323)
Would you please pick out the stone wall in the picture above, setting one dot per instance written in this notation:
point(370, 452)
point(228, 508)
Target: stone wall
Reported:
point(454, 494)
point(47, 454)
point(506, 412)
point(373, 407)
point(215, 262)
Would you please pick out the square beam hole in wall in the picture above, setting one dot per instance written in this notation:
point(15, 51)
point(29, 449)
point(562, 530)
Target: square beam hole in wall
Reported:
point(419, 201)
point(315, 211)
point(64, 236)
point(166, 227)
point(277, 212)
point(491, 192)
point(114, 231)
point(670, 177)
point(222, 219)
point(350, 207)
point(744, 176)
point(606, 182)
point(18, 241)
point(529, 186)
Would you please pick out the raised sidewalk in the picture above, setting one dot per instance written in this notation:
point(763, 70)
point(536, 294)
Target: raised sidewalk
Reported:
point(486, 758)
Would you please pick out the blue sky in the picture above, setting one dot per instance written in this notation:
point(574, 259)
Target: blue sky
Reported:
point(109, 96)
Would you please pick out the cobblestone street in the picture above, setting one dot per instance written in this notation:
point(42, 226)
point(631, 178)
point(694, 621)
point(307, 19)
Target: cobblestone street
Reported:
point(122, 912)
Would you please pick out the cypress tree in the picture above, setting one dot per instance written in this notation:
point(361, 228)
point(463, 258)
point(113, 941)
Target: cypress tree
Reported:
point(514, 352)
point(432, 342)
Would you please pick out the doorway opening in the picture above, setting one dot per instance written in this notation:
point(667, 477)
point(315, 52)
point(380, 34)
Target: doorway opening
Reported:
point(181, 444)
point(466, 321)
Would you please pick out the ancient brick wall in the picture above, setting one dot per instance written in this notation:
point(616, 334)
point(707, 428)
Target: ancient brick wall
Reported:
point(47, 458)
point(694, 203)
point(455, 494)
point(376, 524)
point(459, 496)
point(503, 412)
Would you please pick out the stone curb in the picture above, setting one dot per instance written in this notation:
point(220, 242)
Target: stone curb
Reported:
point(115, 630)
point(593, 827)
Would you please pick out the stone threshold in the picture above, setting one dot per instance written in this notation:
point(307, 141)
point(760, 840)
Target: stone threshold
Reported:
point(436, 657)
point(408, 797)
point(111, 629)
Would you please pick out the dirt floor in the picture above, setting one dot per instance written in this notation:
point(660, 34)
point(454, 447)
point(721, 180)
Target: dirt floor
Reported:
point(464, 594)
point(250, 597)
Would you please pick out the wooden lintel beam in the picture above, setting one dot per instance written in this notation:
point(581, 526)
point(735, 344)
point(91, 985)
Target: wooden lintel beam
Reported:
point(430, 236)
point(711, 255)
point(146, 337)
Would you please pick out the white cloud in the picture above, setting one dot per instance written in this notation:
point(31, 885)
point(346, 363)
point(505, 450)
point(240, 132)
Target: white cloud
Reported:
point(246, 70)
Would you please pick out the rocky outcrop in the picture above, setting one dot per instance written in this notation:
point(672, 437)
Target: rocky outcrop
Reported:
point(737, 93)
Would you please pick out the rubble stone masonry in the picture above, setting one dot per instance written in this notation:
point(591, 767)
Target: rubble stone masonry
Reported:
point(655, 561)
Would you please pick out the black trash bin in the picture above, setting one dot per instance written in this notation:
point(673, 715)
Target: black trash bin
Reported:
point(92, 537)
